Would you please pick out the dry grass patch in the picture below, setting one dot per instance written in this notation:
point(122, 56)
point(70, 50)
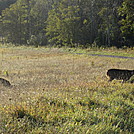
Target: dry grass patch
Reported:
point(57, 92)
point(35, 71)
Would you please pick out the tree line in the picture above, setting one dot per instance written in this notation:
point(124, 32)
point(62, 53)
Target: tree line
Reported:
point(68, 22)
point(5, 4)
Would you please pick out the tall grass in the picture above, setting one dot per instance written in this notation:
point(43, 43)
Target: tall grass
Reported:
point(57, 92)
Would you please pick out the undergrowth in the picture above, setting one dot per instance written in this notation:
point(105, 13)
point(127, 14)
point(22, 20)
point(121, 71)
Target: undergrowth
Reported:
point(107, 111)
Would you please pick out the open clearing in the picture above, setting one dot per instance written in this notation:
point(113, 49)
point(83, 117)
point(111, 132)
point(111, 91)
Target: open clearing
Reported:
point(60, 76)
point(37, 71)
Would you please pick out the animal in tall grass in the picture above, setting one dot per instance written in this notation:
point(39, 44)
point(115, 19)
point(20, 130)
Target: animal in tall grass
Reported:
point(5, 82)
point(120, 74)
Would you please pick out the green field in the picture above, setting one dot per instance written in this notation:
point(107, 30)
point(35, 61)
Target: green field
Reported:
point(55, 91)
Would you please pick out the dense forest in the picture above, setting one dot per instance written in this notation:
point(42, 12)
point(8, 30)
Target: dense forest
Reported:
point(5, 4)
point(68, 22)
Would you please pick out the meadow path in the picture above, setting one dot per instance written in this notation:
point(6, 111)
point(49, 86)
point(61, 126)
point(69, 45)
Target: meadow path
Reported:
point(113, 56)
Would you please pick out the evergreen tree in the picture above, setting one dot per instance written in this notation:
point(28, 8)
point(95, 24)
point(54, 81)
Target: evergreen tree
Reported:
point(126, 12)
point(12, 23)
point(68, 22)
point(23, 20)
point(62, 26)
point(5, 4)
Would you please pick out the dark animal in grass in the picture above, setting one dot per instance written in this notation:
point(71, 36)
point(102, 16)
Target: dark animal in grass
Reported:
point(120, 74)
point(4, 82)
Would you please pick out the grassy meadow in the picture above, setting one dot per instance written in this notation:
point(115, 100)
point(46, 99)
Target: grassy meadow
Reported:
point(55, 91)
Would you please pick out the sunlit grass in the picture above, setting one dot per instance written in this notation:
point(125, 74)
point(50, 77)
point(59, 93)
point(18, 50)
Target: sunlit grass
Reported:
point(57, 92)
point(127, 52)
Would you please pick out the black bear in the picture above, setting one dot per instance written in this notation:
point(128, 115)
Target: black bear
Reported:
point(120, 74)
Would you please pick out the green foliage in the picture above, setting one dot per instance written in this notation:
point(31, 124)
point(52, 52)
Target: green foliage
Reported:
point(126, 11)
point(22, 20)
point(15, 22)
point(113, 113)
point(62, 23)
point(131, 80)
point(5, 4)
point(69, 23)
